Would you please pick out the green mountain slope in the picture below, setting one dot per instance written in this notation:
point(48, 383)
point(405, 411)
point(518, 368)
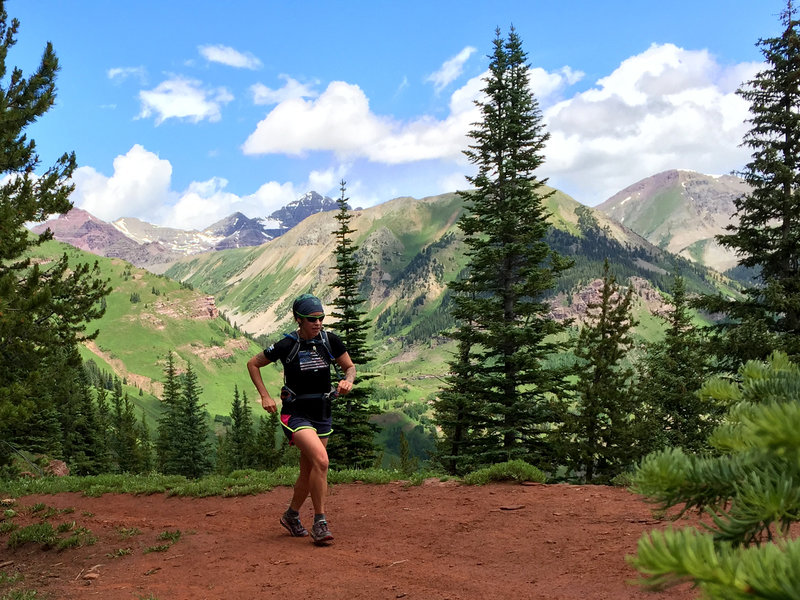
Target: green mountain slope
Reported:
point(149, 315)
point(409, 250)
point(682, 212)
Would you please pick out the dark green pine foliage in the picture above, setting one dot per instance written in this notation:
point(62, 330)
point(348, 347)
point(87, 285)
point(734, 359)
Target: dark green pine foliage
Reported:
point(500, 304)
point(455, 413)
point(767, 236)
point(600, 430)
point(125, 432)
point(191, 437)
point(239, 446)
point(353, 444)
point(104, 452)
point(145, 446)
point(270, 446)
point(43, 307)
point(670, 375)
point(748, 488)
point(84, 444)
point(168, 423)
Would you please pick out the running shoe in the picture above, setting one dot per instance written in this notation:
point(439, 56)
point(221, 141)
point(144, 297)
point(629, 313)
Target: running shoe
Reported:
point(320, 533)
point(294, 525)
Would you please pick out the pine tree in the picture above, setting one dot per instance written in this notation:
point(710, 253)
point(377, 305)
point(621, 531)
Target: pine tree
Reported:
point(767, 236)
point(144, 446)
point(455, 414)
point(125, 436)
point(500, 304)
point(353, 445)
point(240, 439)
point(750, 487)
point(270, 447)
point(168, 422)
point(83, 439)
point(671, 373)
point(600, 429)
point(192, 448)
point(43, 309)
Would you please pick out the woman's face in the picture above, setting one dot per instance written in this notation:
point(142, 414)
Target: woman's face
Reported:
point(310, 326)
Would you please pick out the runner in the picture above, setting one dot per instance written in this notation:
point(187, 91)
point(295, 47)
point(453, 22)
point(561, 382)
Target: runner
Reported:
point(306, 398)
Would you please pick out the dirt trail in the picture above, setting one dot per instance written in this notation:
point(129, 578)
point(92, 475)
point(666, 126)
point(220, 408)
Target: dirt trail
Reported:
point(437, 541)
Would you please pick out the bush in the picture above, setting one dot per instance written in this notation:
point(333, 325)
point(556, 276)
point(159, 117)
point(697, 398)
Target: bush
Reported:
point(513, 470)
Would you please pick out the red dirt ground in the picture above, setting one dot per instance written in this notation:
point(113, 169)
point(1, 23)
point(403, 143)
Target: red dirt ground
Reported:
point(437, 541)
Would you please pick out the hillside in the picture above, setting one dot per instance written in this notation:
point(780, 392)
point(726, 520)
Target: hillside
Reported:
point(409, 250)
point(149, 315)
point(154, 247)
point(681, 212)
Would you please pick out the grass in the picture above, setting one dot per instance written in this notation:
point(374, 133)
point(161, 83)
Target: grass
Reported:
point(514, 470)
point(21, 595)
point(239, 483)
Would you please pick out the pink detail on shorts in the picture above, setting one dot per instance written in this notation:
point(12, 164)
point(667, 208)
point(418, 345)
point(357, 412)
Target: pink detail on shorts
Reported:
point(285, 419)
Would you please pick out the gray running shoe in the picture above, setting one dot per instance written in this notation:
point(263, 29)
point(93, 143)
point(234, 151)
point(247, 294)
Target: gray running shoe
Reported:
point(320, 533)
point(294, 525)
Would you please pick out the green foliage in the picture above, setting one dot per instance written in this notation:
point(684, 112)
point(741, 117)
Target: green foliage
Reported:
point(353, 445)
point(600, 431)
point(44, 307)
point(750, 488)
point(513, 470)
point(498, 404)
point(767, 233)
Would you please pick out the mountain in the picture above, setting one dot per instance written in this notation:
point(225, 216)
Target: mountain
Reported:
point(83, 230)
point(149, 315)
point(409, 249)
point(236, 231)
point(681, 212)
point(155, 247)
point(295, 212)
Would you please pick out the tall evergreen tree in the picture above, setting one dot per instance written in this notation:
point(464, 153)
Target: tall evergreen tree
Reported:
point(192, 436)
point(601, 429)
point(168, 422)
point(353, 445)
point(83, 444)
point(144, 446)
point(43, 309)
point(240, 439)
point(454, 412)
point(125, 436)
point(671, 373)
point(270, 446)
point(501, 302)
point(767, 236)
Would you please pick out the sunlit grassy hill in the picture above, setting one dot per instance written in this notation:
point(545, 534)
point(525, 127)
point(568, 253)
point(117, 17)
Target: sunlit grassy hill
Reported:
point(148, 316)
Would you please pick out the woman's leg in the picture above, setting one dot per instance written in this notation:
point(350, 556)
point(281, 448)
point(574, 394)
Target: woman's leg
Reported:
point(313, 476)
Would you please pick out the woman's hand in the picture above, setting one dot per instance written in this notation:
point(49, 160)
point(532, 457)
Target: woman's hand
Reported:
point(344, 387)
point(268, 404)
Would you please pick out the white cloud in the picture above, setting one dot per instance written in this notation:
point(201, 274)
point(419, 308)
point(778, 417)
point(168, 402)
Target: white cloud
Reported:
point(229, 56)
point(339, 120)
point(291, 90)
point(665, 108)
point(139, 186)
point(182, 98)
point(546, 85)
point(450, 70)
point(120, 74)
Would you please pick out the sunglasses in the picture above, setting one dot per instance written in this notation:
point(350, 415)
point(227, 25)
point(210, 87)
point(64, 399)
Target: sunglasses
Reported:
point(314, 319)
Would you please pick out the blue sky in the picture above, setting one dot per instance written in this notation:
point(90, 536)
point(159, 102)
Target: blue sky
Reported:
point(182, 112)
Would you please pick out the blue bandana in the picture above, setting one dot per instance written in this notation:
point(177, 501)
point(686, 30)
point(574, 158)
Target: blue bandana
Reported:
point(306, 305)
